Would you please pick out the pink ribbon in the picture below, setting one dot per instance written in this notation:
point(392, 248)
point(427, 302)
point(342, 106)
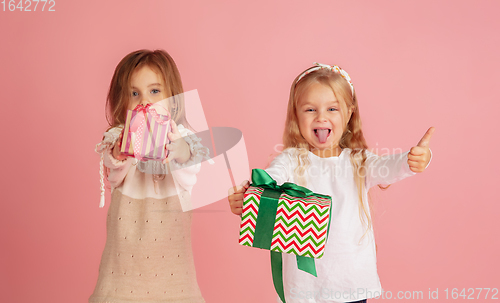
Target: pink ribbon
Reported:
point(147, 109)
point(144, 110)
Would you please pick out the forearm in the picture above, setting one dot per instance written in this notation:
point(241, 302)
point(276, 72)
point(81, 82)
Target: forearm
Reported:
point(387, 169)
point(117, 168)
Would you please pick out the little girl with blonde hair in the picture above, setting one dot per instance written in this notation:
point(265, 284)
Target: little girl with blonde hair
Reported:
point(147, 256)
point(325, 151)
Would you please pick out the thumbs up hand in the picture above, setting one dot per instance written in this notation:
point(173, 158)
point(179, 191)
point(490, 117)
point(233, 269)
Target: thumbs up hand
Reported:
point(420, 155)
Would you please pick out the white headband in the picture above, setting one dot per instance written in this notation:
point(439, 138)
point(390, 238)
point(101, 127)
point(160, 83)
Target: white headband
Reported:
point(333, 68)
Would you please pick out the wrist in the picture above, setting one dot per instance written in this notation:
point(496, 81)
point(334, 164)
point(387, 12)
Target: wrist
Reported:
point(117, 154)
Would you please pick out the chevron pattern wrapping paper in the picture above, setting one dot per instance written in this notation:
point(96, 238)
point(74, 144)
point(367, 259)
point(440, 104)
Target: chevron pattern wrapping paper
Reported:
point(249, 215)
point(300, 223)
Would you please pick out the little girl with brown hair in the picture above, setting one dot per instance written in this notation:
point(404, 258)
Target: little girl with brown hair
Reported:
point(148, 256)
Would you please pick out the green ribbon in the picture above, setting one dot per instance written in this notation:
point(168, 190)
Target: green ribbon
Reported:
point(266, 219)
point(261, 178)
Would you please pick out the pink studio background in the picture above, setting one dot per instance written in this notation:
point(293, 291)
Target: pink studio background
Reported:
point(414, 64)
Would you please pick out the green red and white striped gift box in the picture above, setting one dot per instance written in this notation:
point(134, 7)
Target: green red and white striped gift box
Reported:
point(287, 218)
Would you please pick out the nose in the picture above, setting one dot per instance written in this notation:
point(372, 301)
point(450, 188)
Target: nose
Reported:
point(145, 100)
point(321, 116)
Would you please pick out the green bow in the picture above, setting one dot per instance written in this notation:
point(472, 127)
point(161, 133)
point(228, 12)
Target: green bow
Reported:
point(261, 178)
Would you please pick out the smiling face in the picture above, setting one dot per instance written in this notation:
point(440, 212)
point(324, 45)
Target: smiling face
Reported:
point(320, 118)
point(146, 86)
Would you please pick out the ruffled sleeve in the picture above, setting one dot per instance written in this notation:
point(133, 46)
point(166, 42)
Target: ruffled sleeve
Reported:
point(117, 169)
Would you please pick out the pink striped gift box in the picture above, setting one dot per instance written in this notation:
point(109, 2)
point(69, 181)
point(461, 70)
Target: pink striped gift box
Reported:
point(145, 134)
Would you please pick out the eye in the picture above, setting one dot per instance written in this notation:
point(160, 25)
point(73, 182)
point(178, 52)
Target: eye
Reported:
point(332, 109)
point(310, 110)
point(155, 91)
point(135, 94)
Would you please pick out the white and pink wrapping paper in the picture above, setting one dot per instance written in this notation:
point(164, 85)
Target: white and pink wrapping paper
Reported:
point(145, 132)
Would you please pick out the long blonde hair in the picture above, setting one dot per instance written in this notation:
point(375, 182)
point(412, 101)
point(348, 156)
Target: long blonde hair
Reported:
point(352, 137)
point(162, 63)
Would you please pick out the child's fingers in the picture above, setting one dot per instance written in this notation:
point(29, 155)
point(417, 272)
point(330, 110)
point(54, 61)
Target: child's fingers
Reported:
point(237, 210)
point(236, 197)
point(169, 158)
point(413, 163)
point(416, 169)
point(415, 158)
point(171, 155)
point(418, 151)
point(236, 206)
point(415, 166)
point(236, 203)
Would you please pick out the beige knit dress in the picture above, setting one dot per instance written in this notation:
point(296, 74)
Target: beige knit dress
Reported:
point(147, 256)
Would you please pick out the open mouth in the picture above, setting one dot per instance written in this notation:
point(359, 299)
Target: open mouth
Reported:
point(322, 134)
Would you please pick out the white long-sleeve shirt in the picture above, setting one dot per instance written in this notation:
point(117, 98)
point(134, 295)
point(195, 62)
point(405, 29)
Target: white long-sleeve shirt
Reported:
point(348, 270)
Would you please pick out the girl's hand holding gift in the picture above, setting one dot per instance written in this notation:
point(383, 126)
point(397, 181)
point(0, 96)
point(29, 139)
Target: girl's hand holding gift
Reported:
point(117, 154)
point(235, 197)
point(420, 155)
point(178, 148)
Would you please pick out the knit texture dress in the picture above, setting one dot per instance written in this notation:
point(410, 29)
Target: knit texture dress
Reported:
point(148, 255)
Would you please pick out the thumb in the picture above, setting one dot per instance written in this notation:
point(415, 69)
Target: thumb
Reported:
point(426, 139)
point(238, 189)
point(245, 184)
point(173, 127)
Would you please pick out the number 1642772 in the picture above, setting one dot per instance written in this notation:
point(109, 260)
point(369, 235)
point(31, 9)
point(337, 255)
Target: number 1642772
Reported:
point(29, 5)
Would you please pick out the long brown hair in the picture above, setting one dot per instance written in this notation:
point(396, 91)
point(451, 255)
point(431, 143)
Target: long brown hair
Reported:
point(352, 137)
point(162, 63)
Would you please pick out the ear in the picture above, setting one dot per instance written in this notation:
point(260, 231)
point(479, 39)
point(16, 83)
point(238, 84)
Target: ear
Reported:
point(349, 113)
